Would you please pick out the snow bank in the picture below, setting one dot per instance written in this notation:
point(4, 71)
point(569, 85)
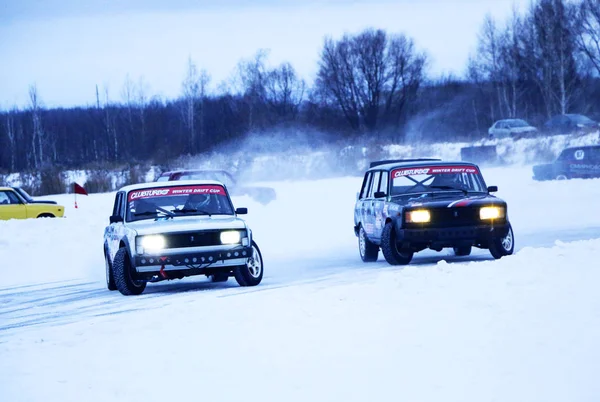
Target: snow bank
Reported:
point(524, 328)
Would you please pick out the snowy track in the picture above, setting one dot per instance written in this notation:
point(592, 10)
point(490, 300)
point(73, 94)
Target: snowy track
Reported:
point(443, 328)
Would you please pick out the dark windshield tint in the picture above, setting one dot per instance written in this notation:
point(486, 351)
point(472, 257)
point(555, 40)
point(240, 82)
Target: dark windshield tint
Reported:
point(175, 201)
point(436, 179)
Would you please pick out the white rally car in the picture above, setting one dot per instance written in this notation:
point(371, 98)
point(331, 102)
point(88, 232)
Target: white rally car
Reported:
point(170, 230)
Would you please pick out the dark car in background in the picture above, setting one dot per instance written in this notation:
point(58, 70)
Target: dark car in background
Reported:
point(572, 163)
point(570, 124)
point(407, 206)
point(263, 195)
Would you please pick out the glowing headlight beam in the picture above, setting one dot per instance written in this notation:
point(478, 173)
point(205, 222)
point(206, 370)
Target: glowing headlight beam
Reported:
point(418, 216)
point(153, 242)
point(230, 237)
point(491, 213)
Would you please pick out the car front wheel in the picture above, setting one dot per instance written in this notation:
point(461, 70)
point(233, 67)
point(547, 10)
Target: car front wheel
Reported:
point(502, 246)
point(389, 247)
point(123, 274)
point(250, 274)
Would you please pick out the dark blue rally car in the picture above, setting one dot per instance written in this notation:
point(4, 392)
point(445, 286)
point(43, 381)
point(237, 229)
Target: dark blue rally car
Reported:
point(406, 206)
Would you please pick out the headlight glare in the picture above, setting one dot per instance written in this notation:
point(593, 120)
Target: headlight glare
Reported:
point(486, 213)
point(153, 242)
point(230, 237)
point(418, 216)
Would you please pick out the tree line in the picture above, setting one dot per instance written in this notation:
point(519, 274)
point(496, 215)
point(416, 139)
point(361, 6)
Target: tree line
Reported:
point(370, 86)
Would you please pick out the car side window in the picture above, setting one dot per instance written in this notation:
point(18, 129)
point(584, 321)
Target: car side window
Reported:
point(13, 198)
point(383, 184)
point(365, 186)
point(4, 200)
point(375, 185)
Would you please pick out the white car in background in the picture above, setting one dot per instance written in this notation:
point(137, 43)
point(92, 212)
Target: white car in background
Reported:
point(511, 128)
point(170, 230)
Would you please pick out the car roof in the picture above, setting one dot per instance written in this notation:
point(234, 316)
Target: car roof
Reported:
point(2, 188)
point(176, 183)
point(581, 147)
point(417, 163)
point(191, 171)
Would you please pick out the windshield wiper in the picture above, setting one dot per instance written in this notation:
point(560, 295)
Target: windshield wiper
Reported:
point(450, 188)
point(169, 214)
point(185, 210)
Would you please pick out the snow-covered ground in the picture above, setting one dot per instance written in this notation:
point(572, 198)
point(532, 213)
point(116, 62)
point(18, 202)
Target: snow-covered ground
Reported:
point(323, 326)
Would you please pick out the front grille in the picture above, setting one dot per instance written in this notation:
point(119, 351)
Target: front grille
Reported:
point(452, 217)
point(195, 239)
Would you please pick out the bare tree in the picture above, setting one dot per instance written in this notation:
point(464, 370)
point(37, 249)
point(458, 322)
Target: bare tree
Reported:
point(38, 131)
point(250, 80)
point(194, 87)
point(588, 38)
point(284, 91)
point(10, 133)
point(370, 76)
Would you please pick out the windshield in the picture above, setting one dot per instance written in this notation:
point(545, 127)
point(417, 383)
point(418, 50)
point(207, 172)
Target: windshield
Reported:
point(436, 179)
point(173, 201)
point(24, 194)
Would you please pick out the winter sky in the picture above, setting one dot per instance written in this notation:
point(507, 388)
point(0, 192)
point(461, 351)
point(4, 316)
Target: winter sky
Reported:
point(67, 47)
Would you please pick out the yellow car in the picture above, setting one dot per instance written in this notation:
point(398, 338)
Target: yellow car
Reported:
point(15, 203)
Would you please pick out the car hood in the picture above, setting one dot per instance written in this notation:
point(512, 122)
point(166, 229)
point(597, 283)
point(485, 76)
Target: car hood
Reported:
point(449, 201)
point(187, 224)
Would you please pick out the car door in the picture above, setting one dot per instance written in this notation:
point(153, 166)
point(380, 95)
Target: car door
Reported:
point(370, 203)
point(359, 208)
point(11, 207)
point(115, 230)
point(378, 203)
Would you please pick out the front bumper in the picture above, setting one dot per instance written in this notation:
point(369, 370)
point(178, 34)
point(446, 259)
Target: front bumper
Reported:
point(451, 237)
point(220, 257)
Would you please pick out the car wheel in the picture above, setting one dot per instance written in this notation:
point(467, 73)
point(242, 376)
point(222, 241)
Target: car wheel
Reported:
point(110, 280)
point(369, 252)
point(46, 215)
point(389, 247)
point(123, 275)
point(250, 274)
point(561, 176)
point(462, 251)
point(502, 246)
point(219, 277)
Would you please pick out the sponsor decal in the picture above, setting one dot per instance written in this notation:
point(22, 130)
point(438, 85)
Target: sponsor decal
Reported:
point(582, 166)
point(579, 154)
point(433, 170)
point(460, 203)
point(168, 191)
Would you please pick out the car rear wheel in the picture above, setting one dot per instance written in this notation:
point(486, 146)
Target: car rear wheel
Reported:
point(250, 274)
point(123, 275)
point(561, 176)
point(368, 251)
point(502, 246)
point(110, 280)
point(462, 251)
point(389, 247)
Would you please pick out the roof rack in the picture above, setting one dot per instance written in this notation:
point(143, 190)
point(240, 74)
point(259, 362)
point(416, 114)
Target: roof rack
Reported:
point(384, 162)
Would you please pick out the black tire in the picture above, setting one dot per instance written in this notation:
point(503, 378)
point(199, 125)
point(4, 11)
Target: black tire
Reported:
point(502, 246)
point(389, 247)
point(219, 277)
point(250, 274)
point(110, 279)
point(462, 251)
point(122, 271)
point(369, 251)
point(46, 215)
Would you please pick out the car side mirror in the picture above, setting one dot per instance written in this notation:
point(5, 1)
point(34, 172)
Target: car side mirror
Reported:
point(379, 194)
point(116, 218)
point(241, 211)
point(492, 189)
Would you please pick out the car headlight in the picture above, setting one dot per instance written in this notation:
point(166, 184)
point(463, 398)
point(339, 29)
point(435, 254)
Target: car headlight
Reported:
point(486, 213)
point(418, 216)
point(153, 242)
point(230, 237)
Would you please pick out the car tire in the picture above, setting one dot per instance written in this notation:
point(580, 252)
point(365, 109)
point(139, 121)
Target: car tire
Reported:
point(503, 246)
point(219, 277)
point(462, 251)
point(369, 251)
point(561, 176)
point(122, 271)
point(110, 279)
point(389, 247)
point(250, 274)
point(46, 215)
